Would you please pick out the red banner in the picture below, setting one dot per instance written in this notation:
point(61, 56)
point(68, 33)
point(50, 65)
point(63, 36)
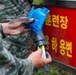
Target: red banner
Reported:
point(60, 33)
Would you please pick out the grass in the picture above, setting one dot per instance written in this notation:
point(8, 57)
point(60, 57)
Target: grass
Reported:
point(53, 70)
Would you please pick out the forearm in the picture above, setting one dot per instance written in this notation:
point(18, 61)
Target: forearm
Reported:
point(15, 64)
point(27, 67)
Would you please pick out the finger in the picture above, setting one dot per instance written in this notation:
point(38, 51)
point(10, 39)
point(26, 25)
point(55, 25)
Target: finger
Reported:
point(47, 55)
point(22, 29)
point(48, 60)
point(39, 51)
point(18, 30)
point(26, 20)
point(26, 30)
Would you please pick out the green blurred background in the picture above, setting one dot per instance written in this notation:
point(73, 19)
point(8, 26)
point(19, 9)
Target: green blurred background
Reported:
point(38, 2)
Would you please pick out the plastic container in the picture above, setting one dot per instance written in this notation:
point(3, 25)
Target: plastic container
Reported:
point(39, 16)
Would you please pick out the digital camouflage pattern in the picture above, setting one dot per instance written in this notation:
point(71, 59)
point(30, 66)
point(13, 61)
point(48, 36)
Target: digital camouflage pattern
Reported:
point(18, 45)
point(11, 9)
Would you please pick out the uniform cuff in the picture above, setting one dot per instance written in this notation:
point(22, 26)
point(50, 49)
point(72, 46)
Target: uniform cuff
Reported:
point(28, 67)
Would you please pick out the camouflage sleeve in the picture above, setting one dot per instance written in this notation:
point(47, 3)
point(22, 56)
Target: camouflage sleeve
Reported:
point(12, 64)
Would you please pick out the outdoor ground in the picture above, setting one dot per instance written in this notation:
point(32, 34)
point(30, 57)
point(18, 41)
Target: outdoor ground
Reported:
point(53, 70)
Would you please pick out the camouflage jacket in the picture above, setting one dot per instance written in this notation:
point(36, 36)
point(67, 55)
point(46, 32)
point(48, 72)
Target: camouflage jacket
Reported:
point(14, 49)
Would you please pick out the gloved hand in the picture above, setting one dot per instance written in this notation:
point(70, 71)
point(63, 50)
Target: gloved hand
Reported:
point(16, 26)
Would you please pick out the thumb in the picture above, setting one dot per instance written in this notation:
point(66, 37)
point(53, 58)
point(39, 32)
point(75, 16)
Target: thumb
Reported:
point(26, 20)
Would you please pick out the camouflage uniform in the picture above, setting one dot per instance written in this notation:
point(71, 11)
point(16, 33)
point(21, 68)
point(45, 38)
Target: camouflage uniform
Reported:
point(13, 48)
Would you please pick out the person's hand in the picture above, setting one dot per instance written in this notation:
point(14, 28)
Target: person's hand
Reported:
point(16, 26)
point(38, 60)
